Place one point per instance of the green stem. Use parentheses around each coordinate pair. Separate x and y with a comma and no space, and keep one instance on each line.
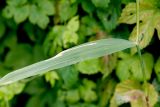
(7,103)
(137,19)
(138,40)
(142,64)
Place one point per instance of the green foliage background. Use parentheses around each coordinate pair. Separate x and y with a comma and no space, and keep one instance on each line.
(34,30)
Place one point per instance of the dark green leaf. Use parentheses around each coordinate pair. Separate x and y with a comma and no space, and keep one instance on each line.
(157,68)
(101,3)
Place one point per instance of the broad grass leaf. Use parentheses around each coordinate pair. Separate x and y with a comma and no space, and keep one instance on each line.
(149,17)
(68,57)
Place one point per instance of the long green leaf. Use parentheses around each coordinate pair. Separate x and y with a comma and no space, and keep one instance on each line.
(68,57)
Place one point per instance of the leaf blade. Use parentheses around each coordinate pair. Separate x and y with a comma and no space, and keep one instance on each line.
(68,57)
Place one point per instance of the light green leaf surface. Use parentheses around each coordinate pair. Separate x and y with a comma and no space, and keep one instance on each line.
(73,24)
(90,66)
(68,57)
(135,93)
(87,91)
(21,13)
(149,20)
(51,77)
(133,68)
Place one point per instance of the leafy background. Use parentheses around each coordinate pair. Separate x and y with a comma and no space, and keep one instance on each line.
(34,30)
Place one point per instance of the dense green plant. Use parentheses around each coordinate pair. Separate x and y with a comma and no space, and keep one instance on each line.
(32,31)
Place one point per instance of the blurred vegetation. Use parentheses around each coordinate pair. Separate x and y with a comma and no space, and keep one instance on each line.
(34,30)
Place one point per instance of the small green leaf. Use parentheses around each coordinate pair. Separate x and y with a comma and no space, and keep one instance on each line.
(8,11)
(88,26)
(133,68)
(73,24)
(42,21)
(101,4)
(68,57)
(34,15)
(69,37)
(38,17)
(46,7)
(19,57)
(109,17)
(72,96)
(21,13)
(51,77)
(69,75)
(66,10)
(89,67)
(88,6)
(8,95)
(87,91)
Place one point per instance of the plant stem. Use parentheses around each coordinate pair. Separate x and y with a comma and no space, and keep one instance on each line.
(137,19)
(7,103)
(142,64)
(138,41)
